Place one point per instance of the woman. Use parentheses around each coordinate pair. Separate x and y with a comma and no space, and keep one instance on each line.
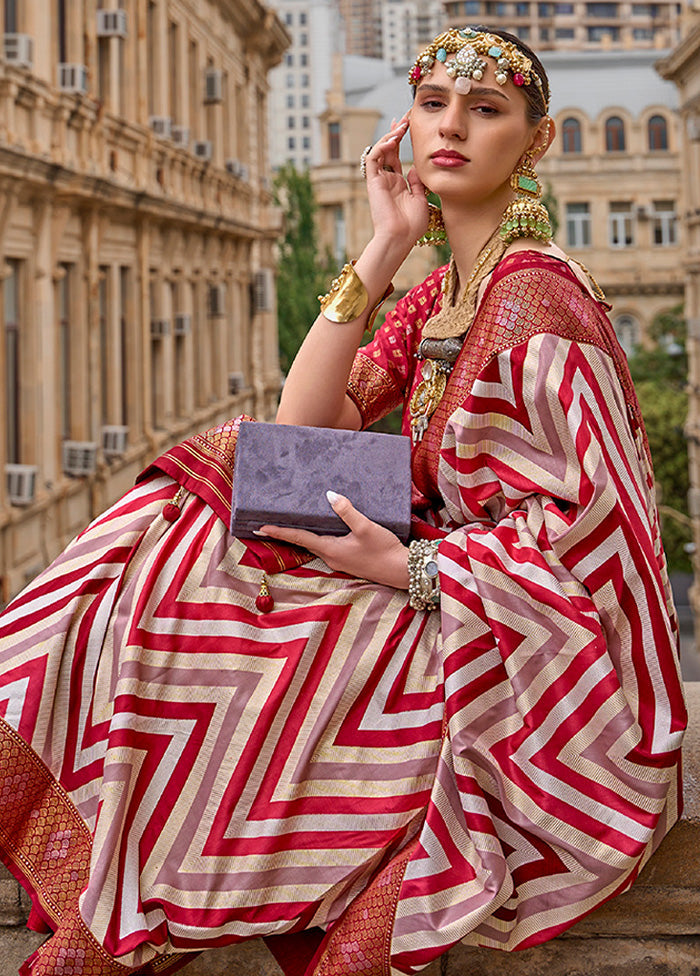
(184,770)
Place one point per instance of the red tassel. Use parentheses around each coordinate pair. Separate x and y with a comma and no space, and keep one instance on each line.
(171,513)
(264,601)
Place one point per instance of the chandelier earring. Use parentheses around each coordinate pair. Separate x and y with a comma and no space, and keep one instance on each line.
(526,216)
(435,233)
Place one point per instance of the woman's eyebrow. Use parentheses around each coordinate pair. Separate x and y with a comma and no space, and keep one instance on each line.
(479,92)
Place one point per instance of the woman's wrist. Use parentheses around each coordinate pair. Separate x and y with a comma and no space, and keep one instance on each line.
(378,263)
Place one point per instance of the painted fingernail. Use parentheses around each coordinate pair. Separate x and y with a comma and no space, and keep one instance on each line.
(332,497)
(259,532)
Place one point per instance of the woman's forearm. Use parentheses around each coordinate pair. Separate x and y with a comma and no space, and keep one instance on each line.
(314,391)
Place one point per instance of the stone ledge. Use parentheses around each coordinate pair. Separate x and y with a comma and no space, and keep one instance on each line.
(651,930)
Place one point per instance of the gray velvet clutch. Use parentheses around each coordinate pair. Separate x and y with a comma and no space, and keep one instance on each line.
(282,473)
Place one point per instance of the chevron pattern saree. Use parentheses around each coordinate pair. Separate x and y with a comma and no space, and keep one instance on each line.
(180,771)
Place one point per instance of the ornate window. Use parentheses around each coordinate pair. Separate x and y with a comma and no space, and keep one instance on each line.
(657,130)
(571,135)
(627,332)
(621,225)
(11,296)
(663,223)
(578,225)
(614,134)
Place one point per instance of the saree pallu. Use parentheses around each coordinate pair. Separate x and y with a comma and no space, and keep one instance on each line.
(180,771)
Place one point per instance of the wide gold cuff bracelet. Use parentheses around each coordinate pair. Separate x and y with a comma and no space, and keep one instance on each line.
(347,298)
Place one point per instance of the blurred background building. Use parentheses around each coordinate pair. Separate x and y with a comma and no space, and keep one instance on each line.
(581,25)
(137,230)
(682,67)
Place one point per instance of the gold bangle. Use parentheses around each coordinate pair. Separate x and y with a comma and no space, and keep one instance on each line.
(347,297)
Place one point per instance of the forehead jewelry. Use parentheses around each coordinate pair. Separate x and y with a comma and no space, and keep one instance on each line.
(470,47)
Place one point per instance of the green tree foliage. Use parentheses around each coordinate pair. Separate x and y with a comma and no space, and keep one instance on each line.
(303,272)
(660,374)
(552,207)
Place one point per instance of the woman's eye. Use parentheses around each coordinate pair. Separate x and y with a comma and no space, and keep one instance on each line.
(432,103)
(486,109)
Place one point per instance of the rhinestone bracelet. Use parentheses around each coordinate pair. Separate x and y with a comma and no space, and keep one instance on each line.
(423,579)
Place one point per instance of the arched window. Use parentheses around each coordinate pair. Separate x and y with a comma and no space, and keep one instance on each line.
(615,134)
(627,332)
(658,133)
(571,135)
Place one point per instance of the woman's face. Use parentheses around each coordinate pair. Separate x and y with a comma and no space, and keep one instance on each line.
(465,146)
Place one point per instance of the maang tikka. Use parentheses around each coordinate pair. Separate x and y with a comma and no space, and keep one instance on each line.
(526,216)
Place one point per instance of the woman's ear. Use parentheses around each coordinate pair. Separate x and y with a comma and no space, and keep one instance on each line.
(542,138)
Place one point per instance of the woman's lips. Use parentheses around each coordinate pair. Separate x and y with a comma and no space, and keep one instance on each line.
(448,158)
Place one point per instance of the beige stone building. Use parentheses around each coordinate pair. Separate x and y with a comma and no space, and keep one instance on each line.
(137,233)
(614,171)
(579,25)
(682,67)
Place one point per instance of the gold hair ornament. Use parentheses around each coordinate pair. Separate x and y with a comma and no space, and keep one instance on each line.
(470,47)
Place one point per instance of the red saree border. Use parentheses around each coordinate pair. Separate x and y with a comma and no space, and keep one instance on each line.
(47,847)
(360,941)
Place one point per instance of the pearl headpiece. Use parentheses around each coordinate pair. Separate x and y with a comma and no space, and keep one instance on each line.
(469,48)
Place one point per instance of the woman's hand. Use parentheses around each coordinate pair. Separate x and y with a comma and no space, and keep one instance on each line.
(368,552)
(398,205)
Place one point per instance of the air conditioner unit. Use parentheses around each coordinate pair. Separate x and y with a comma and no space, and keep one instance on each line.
(213,85)
(79,458)
(21,483)
(643,212)
(234,167)
(19,50)
(202,149)
(161,125)
(111,23)
(114,441)
(235,383)
(72,78)
(263,290)
(159,328)
(182,324)
(180,134)
(216,300)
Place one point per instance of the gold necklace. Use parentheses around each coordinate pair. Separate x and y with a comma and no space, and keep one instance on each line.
(436,370)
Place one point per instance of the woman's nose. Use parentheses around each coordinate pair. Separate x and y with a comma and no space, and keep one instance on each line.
(453,121)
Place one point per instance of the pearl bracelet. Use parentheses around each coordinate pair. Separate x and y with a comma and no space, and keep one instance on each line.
(423,579)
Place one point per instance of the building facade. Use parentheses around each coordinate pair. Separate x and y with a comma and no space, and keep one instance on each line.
(582,24)
(361,26)
(615,174)
(408,26)
(137,233)
(682,67)
(299,84)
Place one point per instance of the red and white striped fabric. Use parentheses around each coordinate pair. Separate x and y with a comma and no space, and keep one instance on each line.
(180,771)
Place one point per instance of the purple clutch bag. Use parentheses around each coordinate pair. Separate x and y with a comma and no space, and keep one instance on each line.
(282,473)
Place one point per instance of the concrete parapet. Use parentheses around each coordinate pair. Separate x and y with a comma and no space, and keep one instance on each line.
(651,930)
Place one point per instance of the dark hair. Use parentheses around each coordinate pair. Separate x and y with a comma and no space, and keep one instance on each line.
(537,98)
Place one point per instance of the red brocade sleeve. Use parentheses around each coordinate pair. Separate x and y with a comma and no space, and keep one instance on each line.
(380,376)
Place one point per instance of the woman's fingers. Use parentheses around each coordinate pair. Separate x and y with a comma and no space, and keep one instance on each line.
(345,510)
(385,152)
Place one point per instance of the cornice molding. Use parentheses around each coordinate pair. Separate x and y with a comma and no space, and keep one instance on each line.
(685,55)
